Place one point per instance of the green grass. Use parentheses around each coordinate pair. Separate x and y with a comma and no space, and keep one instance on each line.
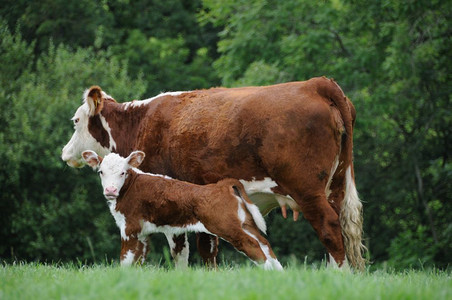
(38,281)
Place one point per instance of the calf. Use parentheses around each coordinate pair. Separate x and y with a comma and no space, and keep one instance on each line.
(144,203)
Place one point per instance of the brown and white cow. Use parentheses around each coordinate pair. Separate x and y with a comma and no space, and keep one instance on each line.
(289,144)
(144,203)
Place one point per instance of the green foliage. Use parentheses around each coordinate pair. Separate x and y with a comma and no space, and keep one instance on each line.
(74,22)
(164,63)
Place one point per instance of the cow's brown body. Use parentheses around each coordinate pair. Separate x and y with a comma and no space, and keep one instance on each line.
(297,134)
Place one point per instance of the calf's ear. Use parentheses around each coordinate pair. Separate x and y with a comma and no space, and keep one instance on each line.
(136,158)
(92,159)
(94,98)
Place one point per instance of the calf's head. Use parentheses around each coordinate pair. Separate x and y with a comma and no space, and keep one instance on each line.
(112,169)
(87,119)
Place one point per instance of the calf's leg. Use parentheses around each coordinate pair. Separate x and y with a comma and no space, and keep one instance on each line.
(179,249)
(208,248)
(133,250)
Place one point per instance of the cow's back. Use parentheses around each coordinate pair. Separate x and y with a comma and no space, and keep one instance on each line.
(212,134)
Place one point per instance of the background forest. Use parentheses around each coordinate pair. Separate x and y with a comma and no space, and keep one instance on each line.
(392,58)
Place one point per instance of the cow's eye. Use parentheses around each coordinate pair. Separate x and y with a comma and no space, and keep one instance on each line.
(76,120)
(99,172)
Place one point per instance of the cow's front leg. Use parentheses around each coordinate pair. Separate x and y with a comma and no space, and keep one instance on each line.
(179,249)
(208,249)
(134,250)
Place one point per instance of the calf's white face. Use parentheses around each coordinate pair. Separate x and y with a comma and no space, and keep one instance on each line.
(112,169)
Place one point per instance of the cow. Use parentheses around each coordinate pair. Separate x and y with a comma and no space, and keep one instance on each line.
(289,144)
(145,203)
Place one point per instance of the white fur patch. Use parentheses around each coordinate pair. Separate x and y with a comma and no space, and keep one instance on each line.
(255,213)
(330,178)
(151,174)
(81,139)
(120,219)
(213,244)
(108,129)
(138,103)
(180,258)
(240,212)
(148,228)
(271,263)
(127,260)
(259,186)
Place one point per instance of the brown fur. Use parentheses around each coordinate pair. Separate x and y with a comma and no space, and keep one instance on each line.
(162,201)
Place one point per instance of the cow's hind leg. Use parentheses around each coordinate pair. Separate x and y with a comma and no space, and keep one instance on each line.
(208,248)
(325,221)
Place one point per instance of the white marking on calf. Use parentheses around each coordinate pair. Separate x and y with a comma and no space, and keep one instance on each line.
(148,228)
(256,214)
(120,219)
(128,259)
(181,258)
(270,263)
(144,241)
(213,244)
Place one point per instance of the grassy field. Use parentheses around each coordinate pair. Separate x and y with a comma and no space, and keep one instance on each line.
(37,281)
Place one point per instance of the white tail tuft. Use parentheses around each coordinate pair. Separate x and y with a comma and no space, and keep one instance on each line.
(351,220)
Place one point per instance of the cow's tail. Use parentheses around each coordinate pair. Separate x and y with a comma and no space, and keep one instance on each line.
(351,219)
(351,210)
(250,206)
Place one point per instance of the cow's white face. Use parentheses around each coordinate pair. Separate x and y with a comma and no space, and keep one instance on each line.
(113,169)
(82,138)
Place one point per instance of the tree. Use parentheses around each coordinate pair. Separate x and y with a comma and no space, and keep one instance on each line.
(52,212)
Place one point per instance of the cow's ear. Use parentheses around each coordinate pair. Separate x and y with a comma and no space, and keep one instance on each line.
(92,159)
(136,158)
(95,100)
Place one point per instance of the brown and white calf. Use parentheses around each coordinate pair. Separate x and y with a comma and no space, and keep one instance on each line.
(144,203)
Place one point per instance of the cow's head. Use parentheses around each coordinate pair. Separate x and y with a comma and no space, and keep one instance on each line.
(84,119)
(112,169)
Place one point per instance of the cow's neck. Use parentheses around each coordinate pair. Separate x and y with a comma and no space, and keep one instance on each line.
(123,126)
